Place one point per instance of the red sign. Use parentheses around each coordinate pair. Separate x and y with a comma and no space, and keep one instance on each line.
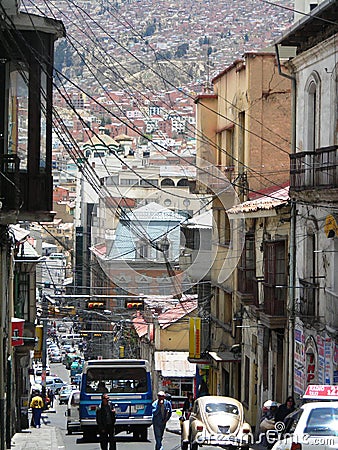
(311,367)
(321,392)
(17,331)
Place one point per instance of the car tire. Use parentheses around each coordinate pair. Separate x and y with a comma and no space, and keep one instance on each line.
(193,446)
(69,431)
(184,445)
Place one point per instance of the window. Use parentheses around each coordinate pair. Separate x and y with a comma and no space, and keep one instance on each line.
(128,182)
(167,182)
(336,110)
(246,380)
(308,291)
(18,115)
(163,245)
(149,183)
(322,422)
(230,146)
(223,226)
(247,265)
(312,102)
(275,277)
(241,141)
(335,266)
(142,249)
(221,408)
(109,379)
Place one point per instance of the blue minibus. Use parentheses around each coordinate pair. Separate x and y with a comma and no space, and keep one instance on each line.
(128,383)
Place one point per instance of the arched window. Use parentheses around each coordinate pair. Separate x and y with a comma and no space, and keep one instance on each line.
(167,182)
(183,182)
(312,102)
(336,106)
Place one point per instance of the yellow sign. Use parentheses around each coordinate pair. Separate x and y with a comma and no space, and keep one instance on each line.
(38,344)
(195,337)
(331,227)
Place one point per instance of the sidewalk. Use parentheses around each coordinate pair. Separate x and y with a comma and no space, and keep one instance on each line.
(46,437)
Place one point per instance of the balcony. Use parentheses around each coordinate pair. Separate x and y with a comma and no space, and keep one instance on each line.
(331,318)
(273,314)
(214,179)
(308,300)
(314,170)
(247,286)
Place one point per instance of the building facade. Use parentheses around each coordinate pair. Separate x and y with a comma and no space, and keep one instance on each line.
(314,195)
(243,148)
(26,73)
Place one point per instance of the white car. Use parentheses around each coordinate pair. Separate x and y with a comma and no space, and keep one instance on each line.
(313,425)
(55,358)
(72,413)
(53,383)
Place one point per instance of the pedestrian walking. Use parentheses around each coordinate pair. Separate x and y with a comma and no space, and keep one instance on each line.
(37,406)
(161,413)
(51,397)
(187,406)
(105,419)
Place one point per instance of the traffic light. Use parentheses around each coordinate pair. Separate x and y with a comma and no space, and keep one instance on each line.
(95,305)
(134,304)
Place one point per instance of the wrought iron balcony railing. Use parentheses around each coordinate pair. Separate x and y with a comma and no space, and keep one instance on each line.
(314,170)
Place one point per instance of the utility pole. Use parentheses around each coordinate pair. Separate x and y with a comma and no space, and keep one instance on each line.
(44,345)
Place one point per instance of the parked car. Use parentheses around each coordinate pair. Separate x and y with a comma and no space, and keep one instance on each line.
(77,379)
(313,425)
(72,413)
(54,383)
(38,371)
(55,358)
(64,393)
(217,421)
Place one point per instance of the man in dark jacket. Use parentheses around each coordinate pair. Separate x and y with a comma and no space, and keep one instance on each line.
(105,419)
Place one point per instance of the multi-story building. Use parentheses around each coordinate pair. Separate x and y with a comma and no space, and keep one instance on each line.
(26,53)
(261,325)
(314,194)
(243,144)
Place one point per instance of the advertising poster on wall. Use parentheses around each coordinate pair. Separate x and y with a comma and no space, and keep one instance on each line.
(321,359)
(299,358)
(328,360)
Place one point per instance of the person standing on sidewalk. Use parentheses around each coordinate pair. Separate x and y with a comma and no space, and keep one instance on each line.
(105,419)
(161,413)
(37,406)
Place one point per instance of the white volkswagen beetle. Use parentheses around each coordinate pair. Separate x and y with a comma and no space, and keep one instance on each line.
(218,421)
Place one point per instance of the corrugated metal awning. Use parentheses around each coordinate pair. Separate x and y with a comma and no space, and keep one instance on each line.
(174,364)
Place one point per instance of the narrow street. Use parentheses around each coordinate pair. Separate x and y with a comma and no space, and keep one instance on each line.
(75,441)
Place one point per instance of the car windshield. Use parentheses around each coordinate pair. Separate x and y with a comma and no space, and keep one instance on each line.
(322,422)
(221,407)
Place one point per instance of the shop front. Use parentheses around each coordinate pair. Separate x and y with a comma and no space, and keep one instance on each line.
(176,375)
